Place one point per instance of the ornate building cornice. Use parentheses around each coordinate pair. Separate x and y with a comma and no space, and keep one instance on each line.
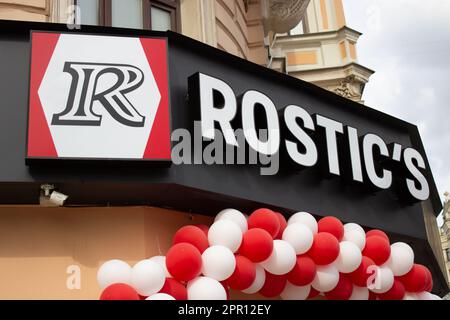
(346,88)
(280,16)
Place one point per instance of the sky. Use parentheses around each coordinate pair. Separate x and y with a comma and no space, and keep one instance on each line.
(407,44)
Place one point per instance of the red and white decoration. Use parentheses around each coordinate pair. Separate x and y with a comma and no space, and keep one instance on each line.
(295,260)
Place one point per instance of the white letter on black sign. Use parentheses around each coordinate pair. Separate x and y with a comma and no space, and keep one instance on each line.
(355,158)
(210,113)
(371,140)
(331,129)
(249,101)
(309,158)
(424,192)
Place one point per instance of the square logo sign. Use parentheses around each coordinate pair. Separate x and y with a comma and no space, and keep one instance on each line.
(98,97)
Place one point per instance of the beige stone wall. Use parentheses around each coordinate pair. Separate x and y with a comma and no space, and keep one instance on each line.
(445,235)
(227,25)
(27,10)
(239,32)
(433,235)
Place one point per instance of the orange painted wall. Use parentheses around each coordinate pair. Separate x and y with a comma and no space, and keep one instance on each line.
(38,244)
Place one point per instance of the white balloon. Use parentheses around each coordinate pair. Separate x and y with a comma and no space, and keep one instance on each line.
(160,296)
(282,260)
(259,280)
(410,296)
(225,233)
(161,261)
(147,277)
(299,237)
(382,281)
(204,288)
(327,278)
(359,293)
(233,215)
(355,233)
(218,263)
(292,292)
(349,257)
(435,297)
(423,295)
(305,218)
(401,259)
(113,271)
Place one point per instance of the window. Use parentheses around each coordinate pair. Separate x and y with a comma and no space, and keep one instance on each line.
(448,254)
(127,14)
(159,15)
(160,18)
(89,12)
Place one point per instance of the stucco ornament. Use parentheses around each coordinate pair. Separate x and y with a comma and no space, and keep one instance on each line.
(348,88)
(280,16)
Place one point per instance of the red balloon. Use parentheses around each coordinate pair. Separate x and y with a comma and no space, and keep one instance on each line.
(416,280)
(373,295)
(331,225)
(174,288)
(283,225)
(184,261)
(273,286)
(361,274)
(378,249)
(265,219)
(376,232)
(193,235)
(397,292)
(257,245)
(429,286)
(313,293)
(142,297)
(342,291)
(244,274)
(119,291)
(203,227)
(325,248)
(303,272)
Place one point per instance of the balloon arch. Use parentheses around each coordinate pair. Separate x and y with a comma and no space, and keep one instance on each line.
(263,253)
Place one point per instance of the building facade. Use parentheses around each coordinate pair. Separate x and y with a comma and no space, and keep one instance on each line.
(306,39)
(54,253)
(445,234)
(322,50)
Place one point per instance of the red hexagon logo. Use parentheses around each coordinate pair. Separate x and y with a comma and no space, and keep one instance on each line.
(98,97)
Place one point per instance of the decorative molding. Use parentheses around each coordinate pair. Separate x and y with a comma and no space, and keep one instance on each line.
(246,3)
(280,16)
(346,88)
